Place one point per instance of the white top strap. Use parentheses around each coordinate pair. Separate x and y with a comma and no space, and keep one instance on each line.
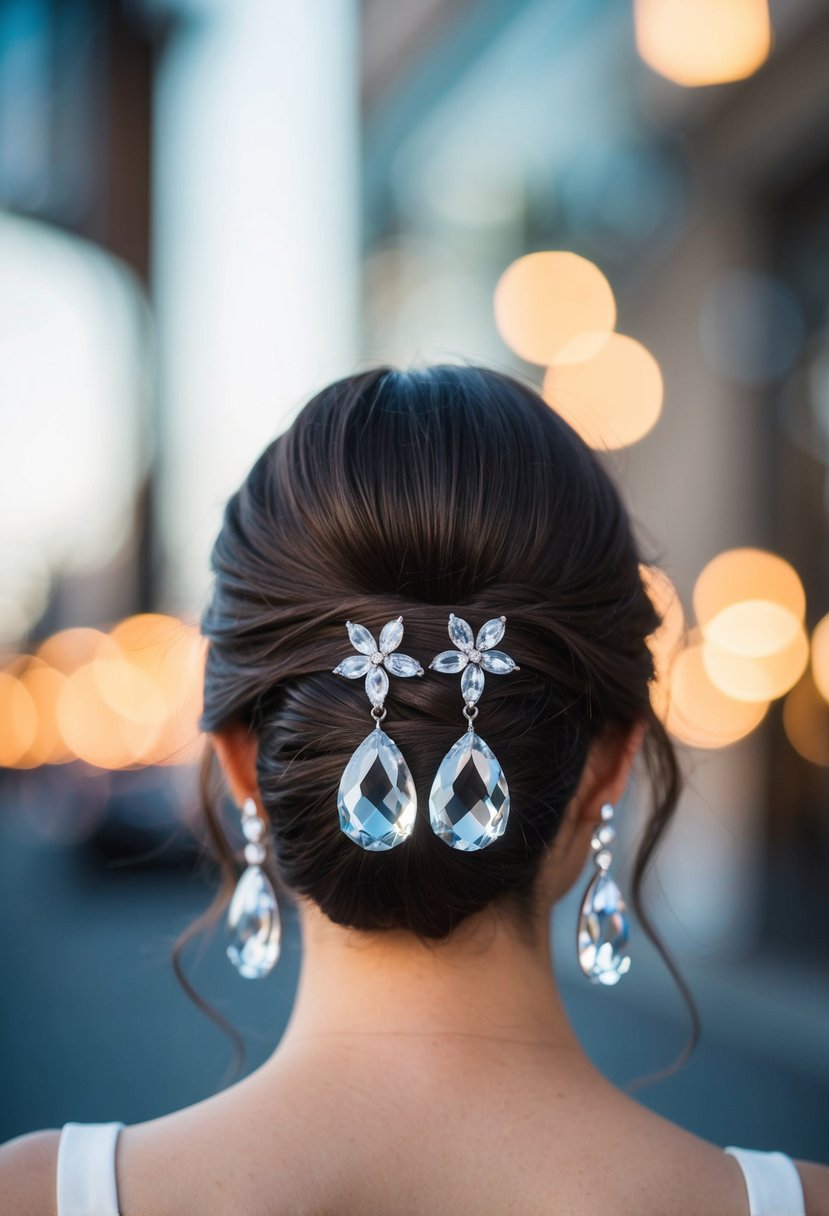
(86,1169)
(772,1181)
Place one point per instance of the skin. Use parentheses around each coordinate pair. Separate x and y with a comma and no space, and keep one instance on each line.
(440,1078)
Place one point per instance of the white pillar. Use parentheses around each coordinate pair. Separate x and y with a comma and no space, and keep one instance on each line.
(256,247)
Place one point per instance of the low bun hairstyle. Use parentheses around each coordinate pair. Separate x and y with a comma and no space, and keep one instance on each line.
(418,493)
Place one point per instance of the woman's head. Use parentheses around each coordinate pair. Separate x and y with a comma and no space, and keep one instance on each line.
(450,488)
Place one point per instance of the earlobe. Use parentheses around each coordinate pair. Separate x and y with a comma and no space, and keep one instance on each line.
(236,748)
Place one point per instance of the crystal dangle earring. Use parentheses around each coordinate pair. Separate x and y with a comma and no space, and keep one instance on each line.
(603,928)
(253,920)
(376,799)
(469,800)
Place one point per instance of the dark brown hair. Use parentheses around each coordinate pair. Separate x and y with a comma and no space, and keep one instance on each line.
(416,493)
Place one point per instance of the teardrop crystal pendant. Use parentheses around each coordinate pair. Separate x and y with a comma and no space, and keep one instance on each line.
(254,925)
(603,931)
(469,799)
(376,798)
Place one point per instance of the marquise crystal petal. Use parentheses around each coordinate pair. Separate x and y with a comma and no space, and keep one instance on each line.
(603,931)
(402,665)
(391,635)
(469,800)
(449,661)
(254,925)
(376,798)
(354,666)
(377,685)
(361,639)
(472,683)
(497,662)
(490,634)
(459,631)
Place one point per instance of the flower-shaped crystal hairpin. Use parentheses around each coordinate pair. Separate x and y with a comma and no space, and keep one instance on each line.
(474,658)
(372,659)
(469,800)
(376,798)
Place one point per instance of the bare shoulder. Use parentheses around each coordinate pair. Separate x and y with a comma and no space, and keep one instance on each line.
(27,1173)
(815,1180)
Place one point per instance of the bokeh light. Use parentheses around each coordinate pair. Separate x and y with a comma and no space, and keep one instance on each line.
(130,698)
(613,395)
(820,656)
(18,719)
(758,677)
(749,601)
(545,300)
(45,685)
(806,721)
(166,656)
(701,42)
(94,730)
(69,649)
(699,713)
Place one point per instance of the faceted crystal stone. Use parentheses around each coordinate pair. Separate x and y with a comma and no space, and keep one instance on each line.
(402,665)
(472,683)
(449,661)
(376,798)
(253,828)
(497,662)
(254,925)
(377,686)
(391,635)
(460,632)
(361,639)
(603,932)
(353,667)
(254,853)
(469,800)
(490,634)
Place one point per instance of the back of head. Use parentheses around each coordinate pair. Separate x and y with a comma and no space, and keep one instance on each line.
(417,493)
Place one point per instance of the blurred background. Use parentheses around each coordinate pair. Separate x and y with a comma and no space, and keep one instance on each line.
(211,208)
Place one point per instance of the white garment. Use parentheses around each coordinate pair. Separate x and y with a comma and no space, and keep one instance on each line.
(772,1181)
(87,1184)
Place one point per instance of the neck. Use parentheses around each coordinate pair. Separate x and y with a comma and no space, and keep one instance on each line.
(484,982)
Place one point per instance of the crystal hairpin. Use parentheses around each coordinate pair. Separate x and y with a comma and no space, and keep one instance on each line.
(469,800)
(376,797)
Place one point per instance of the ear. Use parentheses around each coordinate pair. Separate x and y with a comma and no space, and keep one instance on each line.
(607,770)
(236,748)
